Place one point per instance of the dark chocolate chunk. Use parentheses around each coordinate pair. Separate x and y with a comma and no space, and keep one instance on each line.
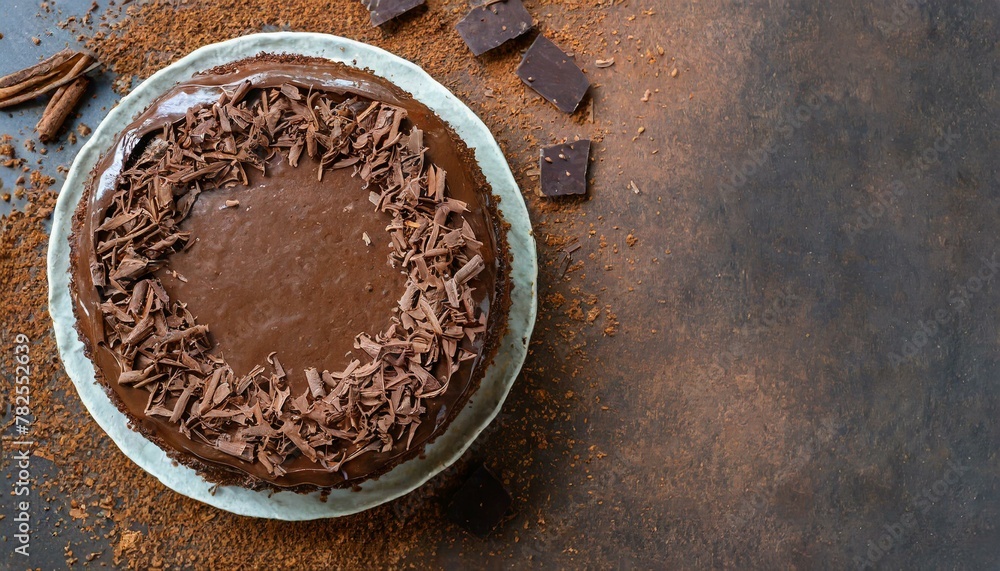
(549,71)
(384,10)
(489,26)
(480,504)
(564,168)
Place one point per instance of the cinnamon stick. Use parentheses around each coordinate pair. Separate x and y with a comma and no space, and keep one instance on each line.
(59,108)
(64,100)
(43,77)
(18,80)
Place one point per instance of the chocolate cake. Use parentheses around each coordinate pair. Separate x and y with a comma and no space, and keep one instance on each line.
(289,273)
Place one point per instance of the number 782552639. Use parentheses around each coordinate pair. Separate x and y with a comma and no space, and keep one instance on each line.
(22,383)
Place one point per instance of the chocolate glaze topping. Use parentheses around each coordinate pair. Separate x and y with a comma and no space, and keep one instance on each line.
(290,274)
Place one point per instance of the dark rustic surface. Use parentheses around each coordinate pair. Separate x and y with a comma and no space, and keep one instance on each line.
(802,372)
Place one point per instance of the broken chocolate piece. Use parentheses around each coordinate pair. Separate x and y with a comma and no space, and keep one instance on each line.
(564,168)
(480,504)
(550,72)
(488,26)
(384,10)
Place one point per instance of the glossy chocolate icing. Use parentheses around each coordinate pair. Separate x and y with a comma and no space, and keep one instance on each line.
(288,269)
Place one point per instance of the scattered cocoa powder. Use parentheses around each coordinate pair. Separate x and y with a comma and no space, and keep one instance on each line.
(6,149)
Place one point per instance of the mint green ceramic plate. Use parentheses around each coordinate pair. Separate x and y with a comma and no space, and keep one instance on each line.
(499,378)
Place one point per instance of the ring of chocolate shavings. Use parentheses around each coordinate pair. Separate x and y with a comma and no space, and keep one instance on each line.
(368,405)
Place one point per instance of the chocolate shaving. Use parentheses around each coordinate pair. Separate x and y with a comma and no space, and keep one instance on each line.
(470,270)
(371,405)
(315,383)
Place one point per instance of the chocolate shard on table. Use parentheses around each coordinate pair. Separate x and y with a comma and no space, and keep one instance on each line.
(490,25)
(564,168)
(384,10)
(480,504)
(549,71)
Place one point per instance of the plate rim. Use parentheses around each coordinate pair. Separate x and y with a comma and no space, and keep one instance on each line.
(478,413)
